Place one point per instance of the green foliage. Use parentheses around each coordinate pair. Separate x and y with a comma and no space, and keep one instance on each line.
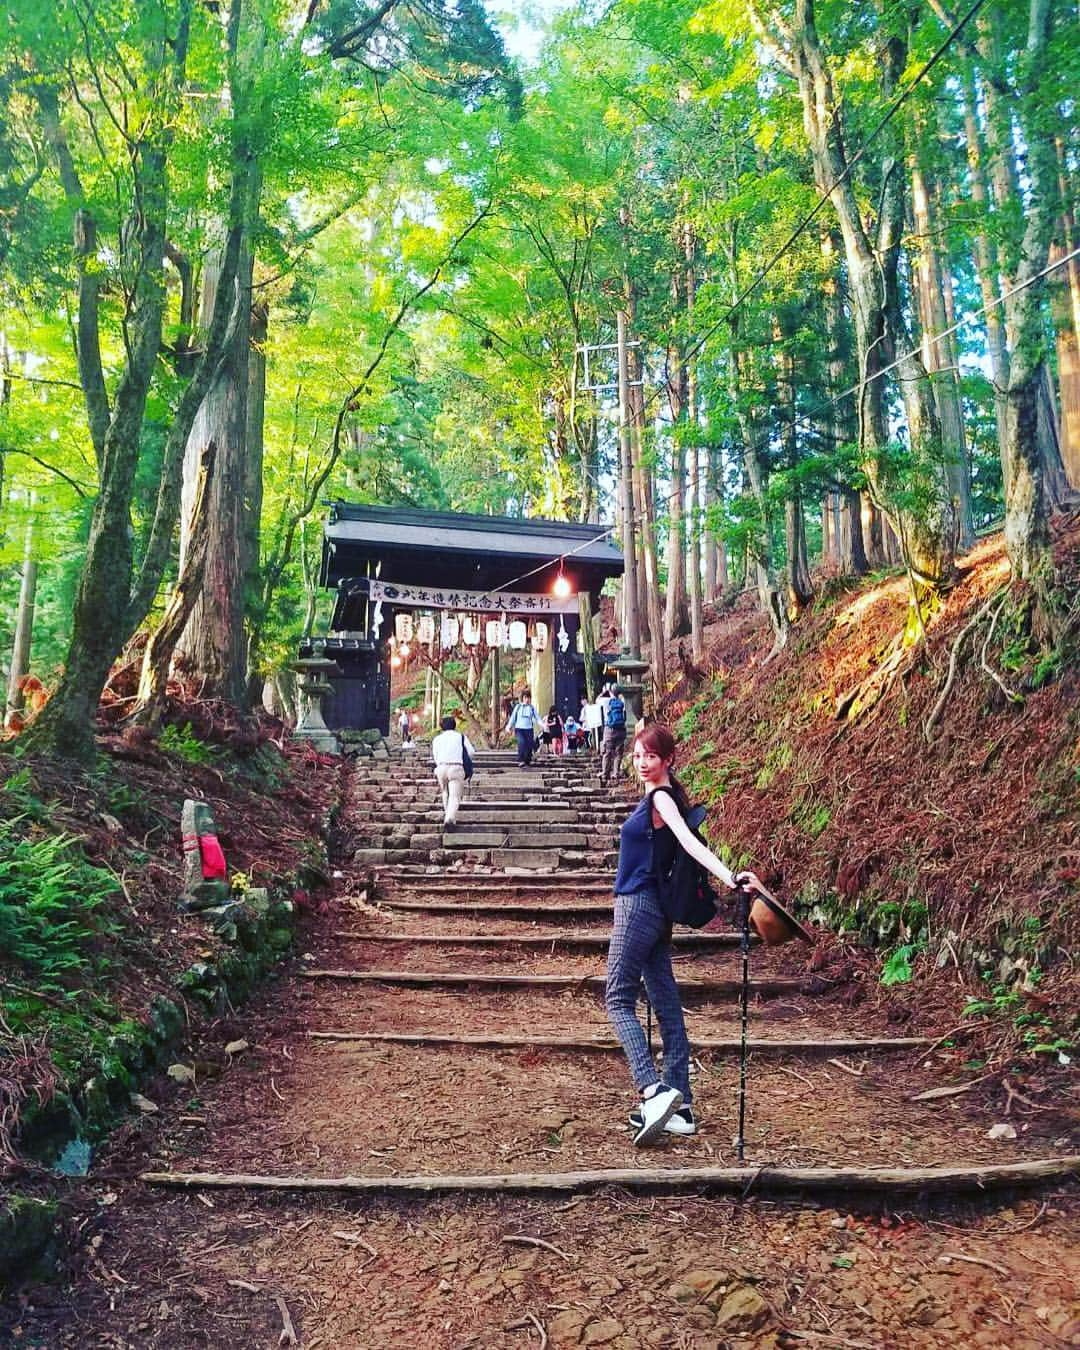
(777,759)
(810,817)
(54,917)
(897,966)
(184,744)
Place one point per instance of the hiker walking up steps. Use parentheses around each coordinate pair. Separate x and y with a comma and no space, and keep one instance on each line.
(641,939)
(525,722)
(611,751)
(452,753)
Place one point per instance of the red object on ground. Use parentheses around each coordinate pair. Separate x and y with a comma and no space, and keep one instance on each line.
(213,859)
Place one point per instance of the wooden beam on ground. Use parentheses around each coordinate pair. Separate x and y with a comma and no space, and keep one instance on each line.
(512,980)
(745,1179)
(561,939)
(708,1044)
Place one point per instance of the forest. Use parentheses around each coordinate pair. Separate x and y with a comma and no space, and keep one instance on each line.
(773,304)
(258,255)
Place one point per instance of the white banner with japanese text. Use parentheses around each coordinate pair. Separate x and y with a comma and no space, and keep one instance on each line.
(489,602)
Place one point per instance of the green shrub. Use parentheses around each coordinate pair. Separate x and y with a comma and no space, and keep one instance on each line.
(52,919)
(184,744)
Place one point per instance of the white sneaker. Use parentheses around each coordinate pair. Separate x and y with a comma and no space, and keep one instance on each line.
(658,1104)
(682,1122)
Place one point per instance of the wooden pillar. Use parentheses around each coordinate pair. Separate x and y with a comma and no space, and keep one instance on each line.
(542,675)
(588,642)
(496,701)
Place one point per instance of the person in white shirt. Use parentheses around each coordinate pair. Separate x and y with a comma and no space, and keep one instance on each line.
(448,750)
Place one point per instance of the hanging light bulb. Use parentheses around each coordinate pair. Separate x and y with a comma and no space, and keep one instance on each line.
(561,589)
(404,651)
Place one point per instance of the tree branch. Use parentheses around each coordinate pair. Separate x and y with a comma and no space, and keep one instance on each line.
(88,345)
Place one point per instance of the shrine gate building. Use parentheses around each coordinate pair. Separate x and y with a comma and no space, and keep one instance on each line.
(455,575)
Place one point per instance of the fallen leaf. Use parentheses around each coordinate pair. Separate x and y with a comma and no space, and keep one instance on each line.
(181,1073)
(237,1047)
(143,1104)
(1003,1130)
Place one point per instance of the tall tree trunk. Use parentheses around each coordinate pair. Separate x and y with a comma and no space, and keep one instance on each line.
(986,266)
(759,550)
(157,658)
(676,613)
(650,573)
(1068,359)
(213,645)
(214,642)
(849,532)
(927,533)
(693,558)
(24,620)
(937,351)
(800,590)
(112,600)
(1027,536)
(253,488)
(715,555)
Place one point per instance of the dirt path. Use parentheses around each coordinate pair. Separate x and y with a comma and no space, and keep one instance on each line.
(161,1268)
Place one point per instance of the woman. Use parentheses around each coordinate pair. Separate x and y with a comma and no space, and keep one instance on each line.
(641,942)
(552,735)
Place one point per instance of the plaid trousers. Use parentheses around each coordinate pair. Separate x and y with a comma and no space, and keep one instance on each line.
(641,947)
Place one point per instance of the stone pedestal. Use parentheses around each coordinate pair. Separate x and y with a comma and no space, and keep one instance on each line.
(312,672)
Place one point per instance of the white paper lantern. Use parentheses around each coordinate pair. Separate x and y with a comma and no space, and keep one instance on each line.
(495,633)
(425,630)
(540,637)
(519,635)
(470,630)
(403,627)
(449,631)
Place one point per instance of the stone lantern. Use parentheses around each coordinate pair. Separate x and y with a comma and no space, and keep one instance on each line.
(314,685)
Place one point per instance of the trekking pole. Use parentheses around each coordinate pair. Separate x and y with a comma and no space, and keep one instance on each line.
(742,910)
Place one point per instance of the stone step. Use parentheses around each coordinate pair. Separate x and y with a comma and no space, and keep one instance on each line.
(406,878)
(537,825)
(519,839)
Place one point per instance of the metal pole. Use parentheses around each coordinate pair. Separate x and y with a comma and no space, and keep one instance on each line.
(742,901)
(630,595)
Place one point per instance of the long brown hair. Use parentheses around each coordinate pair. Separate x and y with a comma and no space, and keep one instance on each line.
(660,740)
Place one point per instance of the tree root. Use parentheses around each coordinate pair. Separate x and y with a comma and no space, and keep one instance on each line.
(954,659)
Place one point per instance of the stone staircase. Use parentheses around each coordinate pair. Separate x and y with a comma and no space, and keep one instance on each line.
(551,816)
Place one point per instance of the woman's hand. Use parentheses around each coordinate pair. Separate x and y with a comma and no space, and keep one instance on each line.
(750,881)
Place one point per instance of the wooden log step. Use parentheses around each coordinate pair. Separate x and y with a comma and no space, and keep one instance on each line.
(559,939)
(745,1179)
(512,980)
(605,1044)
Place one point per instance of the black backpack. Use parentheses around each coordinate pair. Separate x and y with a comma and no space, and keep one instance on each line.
(684,887)
(466,759)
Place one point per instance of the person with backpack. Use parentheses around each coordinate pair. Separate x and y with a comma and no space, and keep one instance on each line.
(525,722)
(611,751)
(640,945)
(452,754)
